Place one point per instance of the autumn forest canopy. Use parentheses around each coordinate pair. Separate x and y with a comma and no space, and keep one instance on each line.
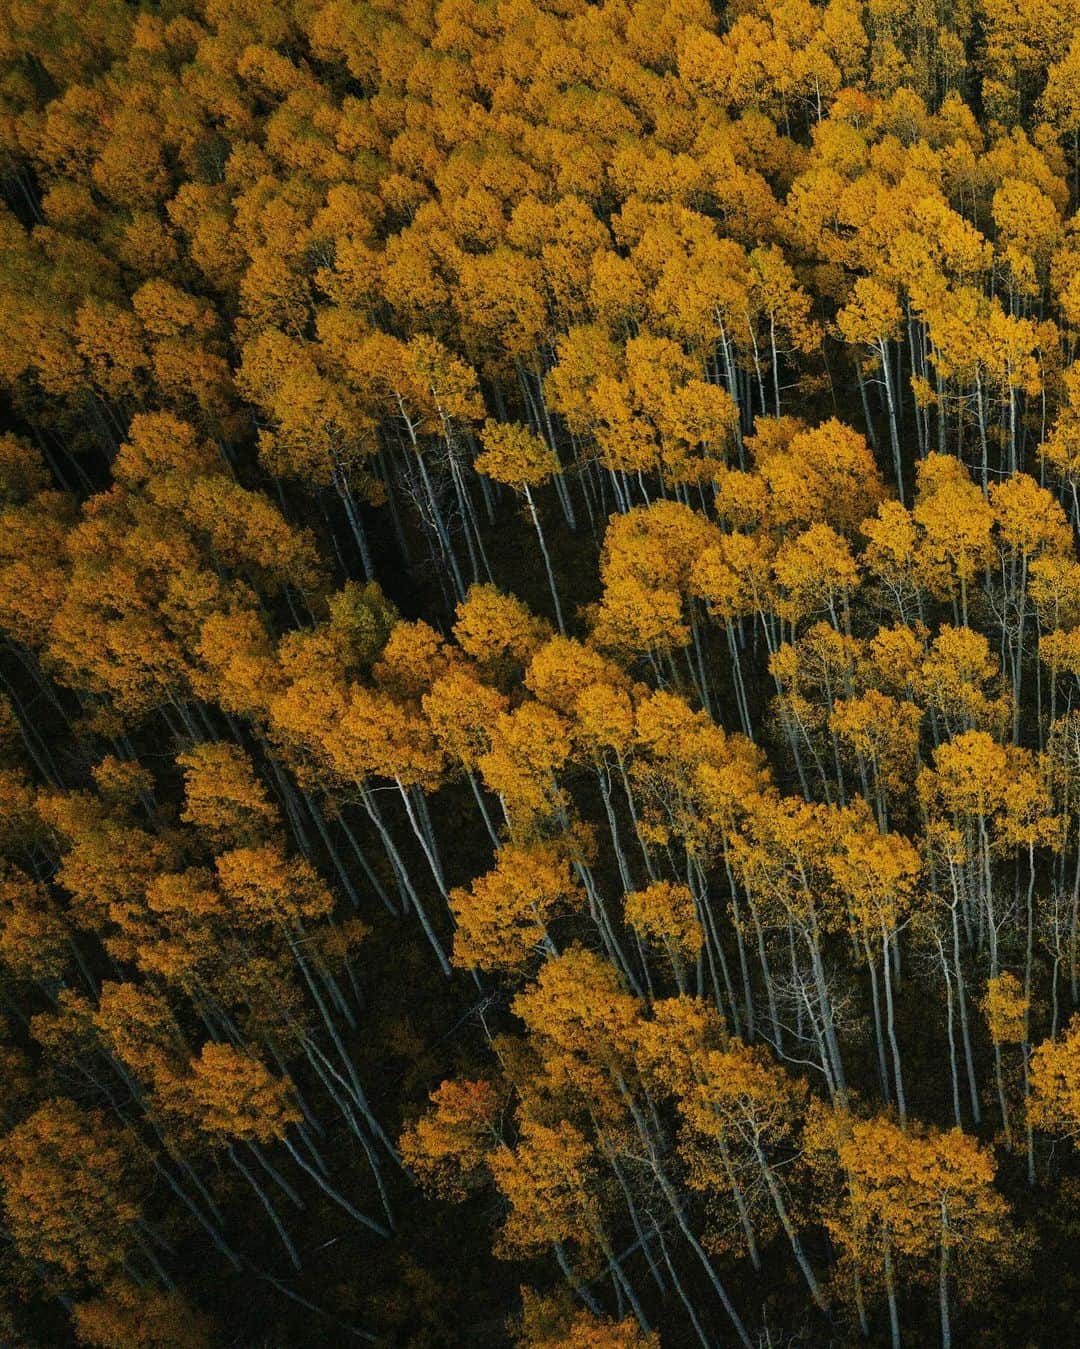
(539,673)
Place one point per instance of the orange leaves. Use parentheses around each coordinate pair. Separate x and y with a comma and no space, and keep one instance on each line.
(356,255)
(413,657)
(892,553)
(20,822)
(236,651)
(69,1181)
(735,576)
(448,1146)
(740,1092)
(528,746)
(222,795)
(317,430)
(877,875)
(33,936)
(671,1042)
(234,1097)
(914,1191)
(569,241)
(33,567)
(106,866)
(779,57)
(970,772)
(696,781)
(941,544)
(548,1323)
(266,887)
(22,471)
(122,782)
(955,520)
(184,356)
(1029,520)
(1006,1009)
(545,1181)
(1029,226)
(502,919)
(128,1316)
(1054,1105)
(378,736)
(139,1028)
(959,679)
(646,563)
(578,1009)
(871,317)
(563,672)
(497,630)
(884,731)
(515,455)
(646,405)
(250,534)
(816,573)
(666,915)
(783,855)
(112,343)
(634,618)
(656,544)
(149,567)
(1054,587)
(782,301)
(617,297)
(353,731)
(824,473)
(462,710)
(1061,448)
(499,300)
(585,356)
(421,382)
(605,718)
(698,423)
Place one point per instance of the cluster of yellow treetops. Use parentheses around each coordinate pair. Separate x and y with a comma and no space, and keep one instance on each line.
(540,710)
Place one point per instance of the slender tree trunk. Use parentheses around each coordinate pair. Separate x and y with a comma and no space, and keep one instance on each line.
(675,1204)
(789,1228)
(943,1281)
(267,1204)
(706,1342)
(335,1195)
(894,435)
(547,561)
(879,1035)
(901,1104)
(403,878)
(574,1282)
(890,1289)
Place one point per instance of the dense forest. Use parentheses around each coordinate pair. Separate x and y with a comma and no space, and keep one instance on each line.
(540,673)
